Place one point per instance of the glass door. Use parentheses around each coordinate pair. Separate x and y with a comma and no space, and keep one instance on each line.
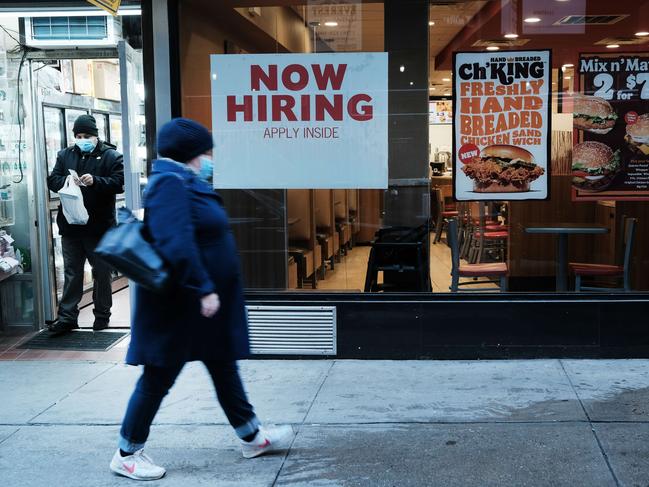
(119,122)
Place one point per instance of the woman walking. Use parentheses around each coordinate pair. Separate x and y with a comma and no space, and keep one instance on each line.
(203,317)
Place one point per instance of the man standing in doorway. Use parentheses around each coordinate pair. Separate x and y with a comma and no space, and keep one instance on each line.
(101,171)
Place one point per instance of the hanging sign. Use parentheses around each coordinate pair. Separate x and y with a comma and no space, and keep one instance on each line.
(610,158)
(501,125)
(300,120)
(110,6)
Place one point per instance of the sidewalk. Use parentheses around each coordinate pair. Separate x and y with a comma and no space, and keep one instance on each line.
(360,423)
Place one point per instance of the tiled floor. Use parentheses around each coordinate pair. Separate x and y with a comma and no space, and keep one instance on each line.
(119,320)
(121,312)
(349,275)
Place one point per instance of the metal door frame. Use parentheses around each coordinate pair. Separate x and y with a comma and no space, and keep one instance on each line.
(42,259)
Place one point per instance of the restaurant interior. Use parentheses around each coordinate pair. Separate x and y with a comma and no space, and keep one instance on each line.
(338,239)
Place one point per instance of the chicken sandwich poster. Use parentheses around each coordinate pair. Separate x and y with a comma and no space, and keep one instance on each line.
(501,125)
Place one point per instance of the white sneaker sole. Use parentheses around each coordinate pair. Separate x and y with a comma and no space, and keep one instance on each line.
(126,473)
(282,444)
(255,454)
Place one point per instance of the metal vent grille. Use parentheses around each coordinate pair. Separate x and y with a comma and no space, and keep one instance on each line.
(590,19)
(292,330)
(501,43)
(69,28)
(626,41)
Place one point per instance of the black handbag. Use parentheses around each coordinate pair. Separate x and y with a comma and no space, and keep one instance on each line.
(126,248)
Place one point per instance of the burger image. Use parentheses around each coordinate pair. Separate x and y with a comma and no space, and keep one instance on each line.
(503,169)
(593,114)
(637,135)
(594,166)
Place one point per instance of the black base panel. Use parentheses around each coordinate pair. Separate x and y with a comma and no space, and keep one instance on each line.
(74,340)
(482,326)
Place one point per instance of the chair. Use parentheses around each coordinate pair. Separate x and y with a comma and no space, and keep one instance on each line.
(401,254)
(442,214)
(325,228)
(302,245)
(497,270)
(581,270)
(292,273)
(341,215)
(488,235)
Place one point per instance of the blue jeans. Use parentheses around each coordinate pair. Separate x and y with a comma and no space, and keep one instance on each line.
(153,386)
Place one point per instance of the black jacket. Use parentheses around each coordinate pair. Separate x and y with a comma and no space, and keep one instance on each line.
(106,166)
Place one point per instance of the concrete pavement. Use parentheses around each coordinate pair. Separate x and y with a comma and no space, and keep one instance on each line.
(359,423)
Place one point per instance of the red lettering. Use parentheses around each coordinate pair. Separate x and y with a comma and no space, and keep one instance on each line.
(322,105)
(283,104)
(366,111)
(303,77)
(322,79)
(306,108)
(245,107)
(262,111)
(258,74)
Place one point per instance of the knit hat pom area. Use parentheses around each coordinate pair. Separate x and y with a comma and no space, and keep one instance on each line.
(182,139)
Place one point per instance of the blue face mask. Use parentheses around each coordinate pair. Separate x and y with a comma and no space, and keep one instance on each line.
(206,172)
(86,145)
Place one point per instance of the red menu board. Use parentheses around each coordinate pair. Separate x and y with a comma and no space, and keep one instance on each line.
(610,158)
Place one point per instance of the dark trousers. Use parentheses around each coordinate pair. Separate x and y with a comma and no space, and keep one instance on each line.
(75,253)
(153,386)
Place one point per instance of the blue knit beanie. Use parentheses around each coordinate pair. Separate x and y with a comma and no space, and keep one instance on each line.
(182,139)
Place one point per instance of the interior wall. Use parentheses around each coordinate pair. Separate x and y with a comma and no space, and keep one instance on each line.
(283,24)
(199,37)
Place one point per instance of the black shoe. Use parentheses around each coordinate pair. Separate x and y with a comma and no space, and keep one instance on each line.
(100,325)
(57,327)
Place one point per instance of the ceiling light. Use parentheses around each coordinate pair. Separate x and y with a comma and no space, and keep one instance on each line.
(402,68)
(493,48)
(431,23)
(612,46)
(532,20)
(642,33)
(331,23)
(511,36)
(446,79)
(411,83)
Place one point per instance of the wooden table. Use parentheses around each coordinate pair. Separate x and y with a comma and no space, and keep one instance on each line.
(563,230)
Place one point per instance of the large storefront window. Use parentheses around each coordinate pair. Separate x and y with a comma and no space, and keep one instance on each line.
(519,164)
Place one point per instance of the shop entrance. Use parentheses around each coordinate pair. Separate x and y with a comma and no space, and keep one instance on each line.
(106,83)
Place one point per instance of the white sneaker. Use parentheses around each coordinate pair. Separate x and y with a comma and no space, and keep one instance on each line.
(268,439)
(138,466)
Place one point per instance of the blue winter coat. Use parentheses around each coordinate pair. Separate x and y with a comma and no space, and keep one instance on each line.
(189,228)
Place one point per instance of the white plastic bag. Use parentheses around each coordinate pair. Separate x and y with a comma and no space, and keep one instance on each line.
(72,201)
